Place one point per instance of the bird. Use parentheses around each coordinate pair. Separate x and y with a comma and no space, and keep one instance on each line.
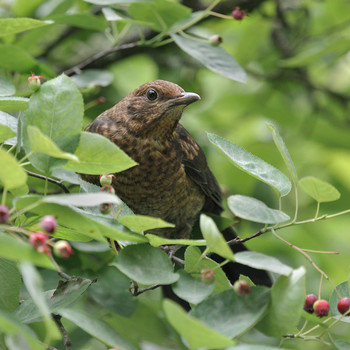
(172,179)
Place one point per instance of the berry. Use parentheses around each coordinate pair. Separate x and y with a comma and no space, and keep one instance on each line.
(321,308)
(48,224)
(44,249)
(105,208)
(106,179)
(238,14)
(34,81)
(38,239)
(63,249)
(207,275)
(241,288)
(4,213)
(108,189)
(310,299)
(215,40)
(344,305)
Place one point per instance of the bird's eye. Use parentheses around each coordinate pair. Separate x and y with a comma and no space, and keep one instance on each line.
(152,94)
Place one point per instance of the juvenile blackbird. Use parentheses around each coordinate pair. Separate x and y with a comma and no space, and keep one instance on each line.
(172,180)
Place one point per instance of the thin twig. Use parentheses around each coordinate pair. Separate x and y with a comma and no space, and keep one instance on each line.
(238,240)
(65,337)
(137,291)
(49,179)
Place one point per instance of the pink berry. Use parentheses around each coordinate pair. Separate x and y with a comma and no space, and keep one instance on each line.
(108,189)
(310,299)
(106,179)
(207,275)
(48,224)
(344,305)
(38,239)
(4,213)
(241,288)
(44,249)
(321,308)
(238,14)
(63,249)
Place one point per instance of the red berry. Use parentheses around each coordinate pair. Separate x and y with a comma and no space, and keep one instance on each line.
(207,275)
(241,288)
(106,179)
(44,249)
(344,305)
(34,81)
(321,308)
(63,249)
(310,299)
(48,224)
(38,239)
(238,14)
(4,213)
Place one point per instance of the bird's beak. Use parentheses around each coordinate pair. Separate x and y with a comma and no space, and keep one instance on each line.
(186,98)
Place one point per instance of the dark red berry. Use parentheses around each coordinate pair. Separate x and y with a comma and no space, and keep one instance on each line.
(344,305)
(241,288)
(63,249)
(4,213)
(309,303)
(48,224)
(321,308)
(238,14)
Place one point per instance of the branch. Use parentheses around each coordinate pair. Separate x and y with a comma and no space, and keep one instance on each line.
(238,240)
(65,337)
(42,177)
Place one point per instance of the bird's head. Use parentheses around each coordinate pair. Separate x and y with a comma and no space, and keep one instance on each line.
(155,108)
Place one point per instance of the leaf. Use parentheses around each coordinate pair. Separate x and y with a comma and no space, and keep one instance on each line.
(343,289)
(10,166)
(6,87)
(112,2)
(6,133)
(111,15)
(215,241)
(14,58)
(286,305)
(89,77)
(283,151)
(13,103)
(140,223)
(92,153)
(157,241)
(80,20)
(159,15)
(10,26)
(252,209)
(56,109)
(43,144)
(231,314)
(253,165)
(262,262)
(319,190)
(97,328)
(146,265)
(191,289)
(10,281)
(213,57)
(66,294)
(8,120)
(196,333)
(16,250)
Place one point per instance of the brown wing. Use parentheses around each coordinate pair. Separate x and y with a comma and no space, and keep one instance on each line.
(197,169)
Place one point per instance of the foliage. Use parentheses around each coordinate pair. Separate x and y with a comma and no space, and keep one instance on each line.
(294,59)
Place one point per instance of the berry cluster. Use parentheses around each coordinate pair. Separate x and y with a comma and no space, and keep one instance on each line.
(321,307)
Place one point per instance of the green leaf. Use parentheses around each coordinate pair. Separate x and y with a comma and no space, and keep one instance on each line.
(140,223)
(112,2)
(343,289)
(253,165)
(14,58)
(42,144)
(8,120)
(341,344)
(196,333)
(81,20)
(263,262)
(252,209)
(25,8)
(16,250)
(12,174)
(92,153)
(157,241)
(159,15)
(213,57)
(56,109)
(6,87)
(10,281)
(89,77)
(253,347)
(319,190)
(10,26)
(231,314)
(191,289)
(146,265)
(215,241)
(66,294)
(283,151)
(111,15)
(97,328)
(6,133)
(13,103)
(286,305)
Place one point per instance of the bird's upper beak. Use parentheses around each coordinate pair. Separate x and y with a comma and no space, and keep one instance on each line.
(185,98)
